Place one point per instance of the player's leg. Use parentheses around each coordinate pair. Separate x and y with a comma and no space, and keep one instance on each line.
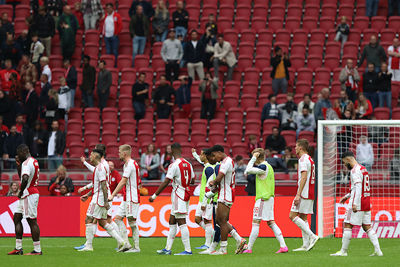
(278,235)
(35,231)
(122,246)
(222,220)
(199,220)
(135,233)
(185,236)
(19,231)
(304,207)
(366,224)
(305,237)
(347,232)
(209,232)
(253,236)
(122,228)
(217,232)
(112,223)
(173,229)
(90,231)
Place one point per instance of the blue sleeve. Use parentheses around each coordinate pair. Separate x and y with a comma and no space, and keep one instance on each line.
(262,167)
(217,169)
(209,171)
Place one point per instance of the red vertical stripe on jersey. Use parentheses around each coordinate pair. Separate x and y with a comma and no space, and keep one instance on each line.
(365,191)
(186,175)
(138,181)
(32,189)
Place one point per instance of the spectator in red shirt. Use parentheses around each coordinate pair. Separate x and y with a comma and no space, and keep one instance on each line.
(5,76)
(20,123)
(363,108)
(78,14)
(253,144)
(63,191)
(3,128)
(115,177)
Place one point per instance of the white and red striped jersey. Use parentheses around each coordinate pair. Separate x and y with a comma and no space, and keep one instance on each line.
(359,174)
(306,164)
(227,185)
(99,175)
(180,172)
(30,167)
(131,173)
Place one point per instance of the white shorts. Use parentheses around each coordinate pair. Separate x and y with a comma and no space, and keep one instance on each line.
(226,195)
(179,207)
(131,209)
(205,214)
(28,206)
(97,212)
(357,218)
(306,206)
(121,209)
(264,210)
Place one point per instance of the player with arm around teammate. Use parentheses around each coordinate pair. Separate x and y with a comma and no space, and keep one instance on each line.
(359,210)
(181,173)
(264,206)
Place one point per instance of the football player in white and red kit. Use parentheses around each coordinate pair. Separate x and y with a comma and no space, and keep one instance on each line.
(28,202)
(130,206)
(226,195)
(181,173)
(359,210)
(303,203)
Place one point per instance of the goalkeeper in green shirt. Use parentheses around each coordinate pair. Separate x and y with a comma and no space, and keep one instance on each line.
(264,206)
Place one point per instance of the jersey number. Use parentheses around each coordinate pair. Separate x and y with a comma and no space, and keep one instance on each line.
(366,183)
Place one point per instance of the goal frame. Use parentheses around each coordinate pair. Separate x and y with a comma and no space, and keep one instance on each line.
(320,157)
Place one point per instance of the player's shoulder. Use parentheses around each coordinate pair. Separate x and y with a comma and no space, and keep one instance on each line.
(27,162)
(262,166)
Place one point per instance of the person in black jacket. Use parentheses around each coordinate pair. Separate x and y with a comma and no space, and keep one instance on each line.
(163,98)
(88,82)
(385,87)
(183,96)
(147,8)
(180,18)
(270,109)
(275,142)
(30,102)
(194,55)
(62,179)
(6,24)
(43,24)
(342,31)
(7,110)
(44,94)
(13,140)
(35,139)
(71,78)
(280,72)
(68,25)
(24,42)
(370,84)
(55,146)
(104,82)
(140,94)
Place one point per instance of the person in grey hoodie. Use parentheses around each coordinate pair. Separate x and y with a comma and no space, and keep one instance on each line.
(305,121)
(373,53)
(172,53)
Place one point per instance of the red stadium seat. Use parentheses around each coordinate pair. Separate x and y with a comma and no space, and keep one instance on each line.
(269,124)
(317,35)
(265,35)
(241,23)
(290,136)
(282,35)
(314,61)
(239,148)
(310,23)
(378,23)
(275,23)
(308,135)
(253,113)
(295,10)
(382,113)
(250,87)
(226,10)
(394,23)
(224,23)
(198,137)
(216,137)
(251,74)
(243,10)
(260,11)
(300,35)
(304,74)
(387,35)
(124,61)
(332,48)
(278,10)
(350,48)
(312,10)
(303,87)
(346,10)
(292,23)
(247,101)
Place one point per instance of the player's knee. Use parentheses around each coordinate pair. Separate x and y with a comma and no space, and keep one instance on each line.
(197,219)
(366,227)
(292,216)
(17,218)
(270,223)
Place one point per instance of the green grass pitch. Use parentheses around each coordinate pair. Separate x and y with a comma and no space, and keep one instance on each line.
(60,252)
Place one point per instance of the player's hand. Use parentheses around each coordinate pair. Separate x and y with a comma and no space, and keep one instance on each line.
(83,159)
(110,198)
(343,200)
(80,190)
(211,184)
(256,154)
(151,199)
(107,206)
(84,198)
(354,208)
(193,150)
(203,208)
(297,200)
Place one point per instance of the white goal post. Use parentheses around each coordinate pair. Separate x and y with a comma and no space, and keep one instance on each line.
(382,138)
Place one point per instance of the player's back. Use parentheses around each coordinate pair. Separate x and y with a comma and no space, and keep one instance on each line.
(359,174)
(131,173)
(306,163)
(181,173)
(30,167)
(99,175)
(227,167)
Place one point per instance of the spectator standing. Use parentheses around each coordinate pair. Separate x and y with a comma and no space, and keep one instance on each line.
(27,70)
(64,100)
(342,32)
(44,94)
(166,160)
(365,153)
(289,116)
(51,108)
(305,121)
(275,142)
(208,88)
(385,87)
(44,26)
(371,8)
(54,7)
(104,82)
(11,50)
(280,73)
(223,55)
(181,19)
(212,25)
(240,167)
(30,102)
(183,96)
(44,64)
(193,55)
(139,30)
(24,42)
(92,11)
(349,79)
(61,178)
(373,53)
(111,27)
(146,5)
(322,105)
(35,140)
(71,78)
(79,15)
(67,27)
(13,140)
(149,163)
(363,108)
(37,50)
(172,54)
(370,85)
(6,23)
(393,5)
(209,40)
(5,75)
(394,59)
(7,110)
(161,21)
(163,98)
(55,146)
(88,81)
(253,144)
(344,102)
(13,190)
(306,101)
(140,94)
(270,109)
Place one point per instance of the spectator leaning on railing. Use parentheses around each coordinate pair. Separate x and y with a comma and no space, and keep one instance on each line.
(60,179)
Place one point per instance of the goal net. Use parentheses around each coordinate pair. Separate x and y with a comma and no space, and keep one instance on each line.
(376,145)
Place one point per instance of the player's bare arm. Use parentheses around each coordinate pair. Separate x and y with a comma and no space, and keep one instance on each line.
(301,187)
(103,185)
(217,181)
(160,189)
(24,183)
(357,196)
(119,187)
(86,196)
(345,198)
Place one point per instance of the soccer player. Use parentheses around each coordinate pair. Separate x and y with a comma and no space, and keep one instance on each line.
(303,203)
(264,206)
(99,205)
(131,182)
(181,173)
(359,210)
(226,182)
(203,216)
(28,200)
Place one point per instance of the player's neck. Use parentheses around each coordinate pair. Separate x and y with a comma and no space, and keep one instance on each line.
(127,159)
(302,153)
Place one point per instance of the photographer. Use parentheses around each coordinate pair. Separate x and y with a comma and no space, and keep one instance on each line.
(208,89)
(183,95)
(280,72)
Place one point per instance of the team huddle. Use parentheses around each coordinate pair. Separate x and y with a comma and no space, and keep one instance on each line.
(217,195)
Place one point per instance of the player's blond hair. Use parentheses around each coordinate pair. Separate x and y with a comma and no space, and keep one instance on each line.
(125,148)
(262,153)
(304,144)
(62,168)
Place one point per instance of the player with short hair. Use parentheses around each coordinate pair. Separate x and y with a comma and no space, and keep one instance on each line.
(28,200)
(225,180)
(130,206)
(204,210)
(181,173)
(264,206)
(359,210)
(303,203)
(99,205)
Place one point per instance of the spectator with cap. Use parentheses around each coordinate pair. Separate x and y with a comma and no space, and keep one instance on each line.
(280,70)
(104,82)
(373,53)
(111,27)
(92,11)
(223,55)
(161,21)
(270,109)
(139,28)
(172,54)
(140,94)
(88,81)
(193,55)
(180,18)
(43,25)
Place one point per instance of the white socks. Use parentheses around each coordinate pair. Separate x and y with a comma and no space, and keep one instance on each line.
(171,236)
(202,225)
(115,226)
(213,246)
(303,226)
(135,233)
(122,230)
(209,234)
(36,246)
(306,240)
(90,231)
(374,239)
(253,235)
(278,235)
(347,232)
(236,236)
(185,237)
(224,245)
(111,231)
(18,243)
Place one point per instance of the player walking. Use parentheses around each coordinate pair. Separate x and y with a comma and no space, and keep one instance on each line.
(359,210)
(264,206)
(99,205)
(226,182)
(303,203)
(28,201)
(180,172)
(131,182)
(203,216)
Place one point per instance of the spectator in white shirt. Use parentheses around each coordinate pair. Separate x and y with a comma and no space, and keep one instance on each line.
(394,59)
(365,153)
(64,98)
(55,146)
(306,101)
(44,64)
